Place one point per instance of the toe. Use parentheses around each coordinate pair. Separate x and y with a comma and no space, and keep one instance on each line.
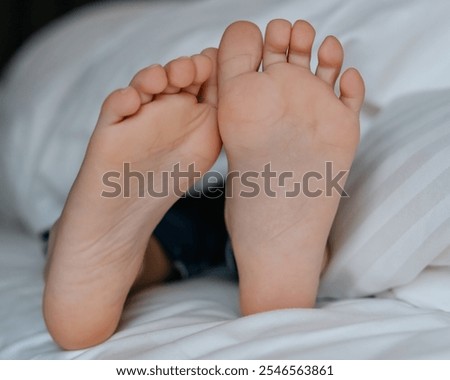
(149,81)
(302,38)
(240,51)
(203,68)
(352,89)
(208,92)
(331,55)
(180,74)
(276,42)
(118,105)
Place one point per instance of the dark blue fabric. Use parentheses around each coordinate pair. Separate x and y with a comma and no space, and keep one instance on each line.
(193,234)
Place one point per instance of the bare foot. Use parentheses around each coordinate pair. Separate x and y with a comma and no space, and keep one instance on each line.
(99,242)
(291,118)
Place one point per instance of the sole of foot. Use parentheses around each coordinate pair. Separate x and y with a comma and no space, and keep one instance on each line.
(165,119)
(290,118)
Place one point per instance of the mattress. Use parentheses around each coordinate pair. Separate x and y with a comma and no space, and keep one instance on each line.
(385,294)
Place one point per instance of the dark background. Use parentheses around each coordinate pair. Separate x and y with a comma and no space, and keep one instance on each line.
(20,18)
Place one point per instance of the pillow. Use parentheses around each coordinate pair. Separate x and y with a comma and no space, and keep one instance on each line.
(428,291)
(396,221)
(57,83)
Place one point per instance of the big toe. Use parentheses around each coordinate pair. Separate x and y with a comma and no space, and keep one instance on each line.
(240,51)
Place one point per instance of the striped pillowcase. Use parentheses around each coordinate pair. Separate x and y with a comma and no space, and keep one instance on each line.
(396,221)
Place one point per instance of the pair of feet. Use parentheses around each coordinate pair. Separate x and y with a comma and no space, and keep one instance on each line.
(182,114)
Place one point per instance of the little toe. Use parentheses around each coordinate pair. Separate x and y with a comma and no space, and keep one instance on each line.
(240,51)
(352,89)
(118,105)
(276,43)
(203,68)
(180,74)
(302,39)
(331,55)
(149,81)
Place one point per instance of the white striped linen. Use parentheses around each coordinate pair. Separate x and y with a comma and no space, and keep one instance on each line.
(396,222)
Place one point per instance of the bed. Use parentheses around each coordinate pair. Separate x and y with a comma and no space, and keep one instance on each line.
(386,293)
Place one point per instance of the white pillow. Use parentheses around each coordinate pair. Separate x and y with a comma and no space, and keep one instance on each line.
(396,221)
(57,83)
(428,291)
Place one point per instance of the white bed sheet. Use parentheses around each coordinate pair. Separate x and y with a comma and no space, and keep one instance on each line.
(198,319)
(41,109)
